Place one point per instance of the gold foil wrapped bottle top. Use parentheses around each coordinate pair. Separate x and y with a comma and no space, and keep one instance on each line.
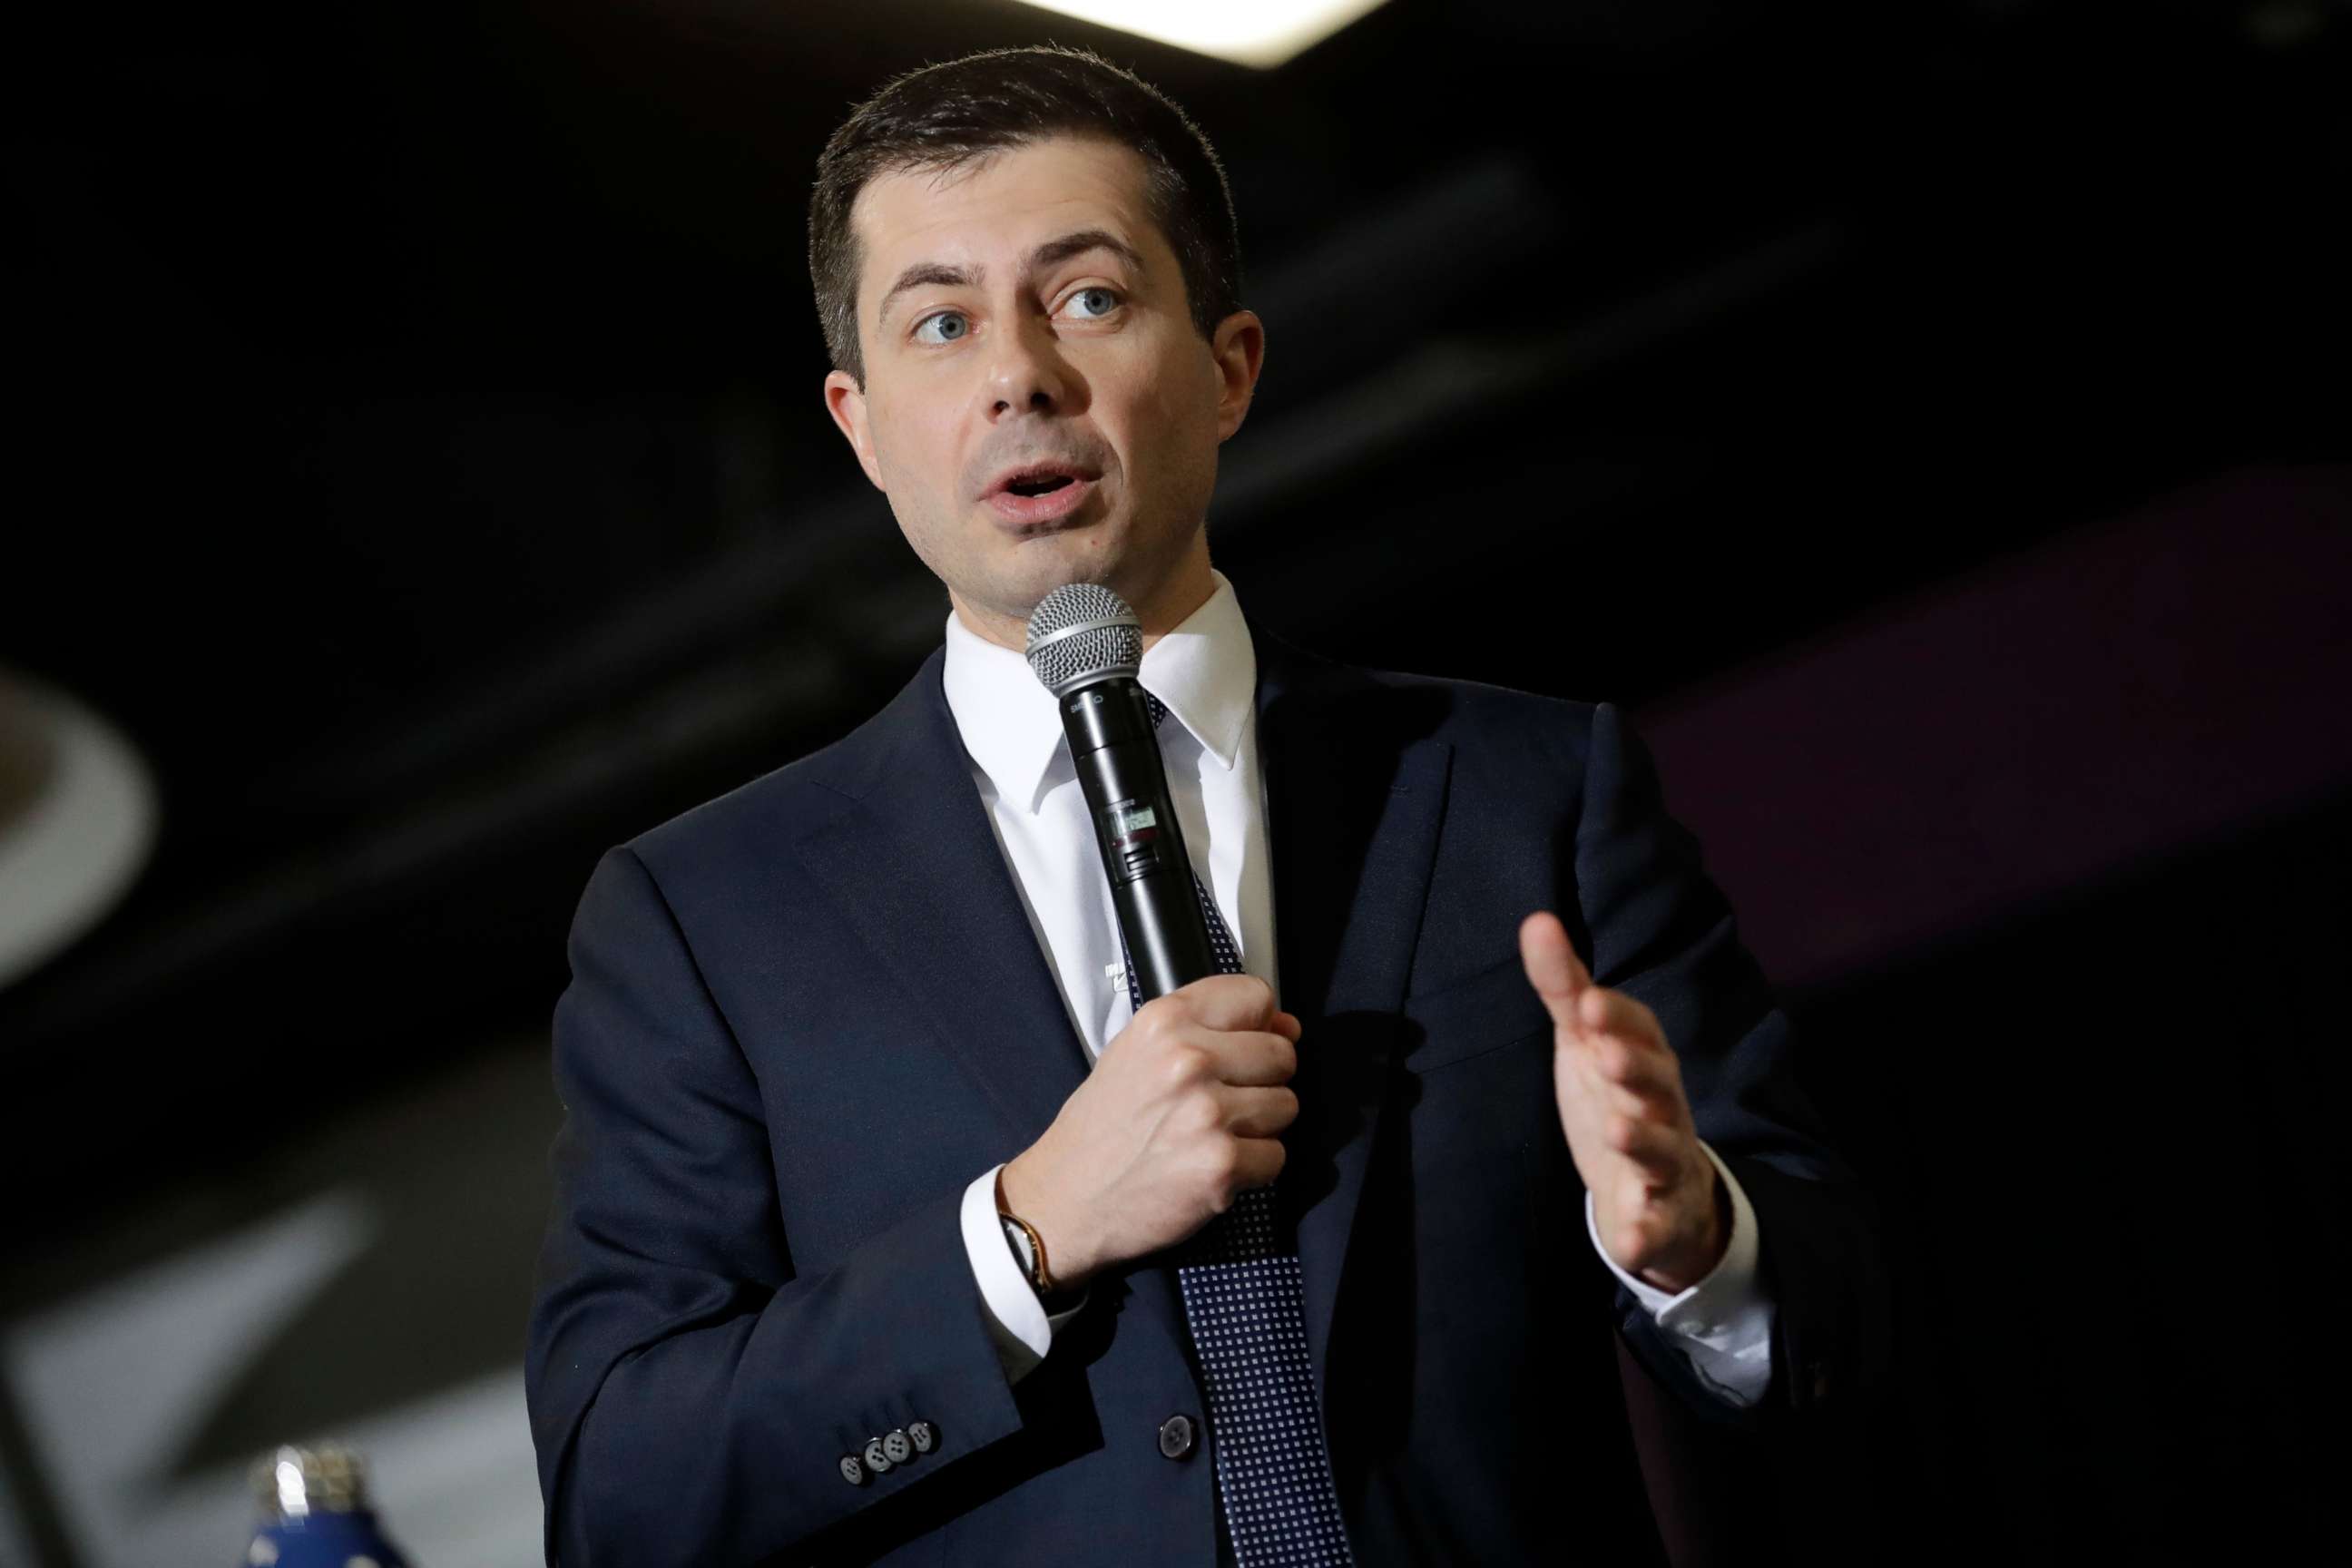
(295,1483)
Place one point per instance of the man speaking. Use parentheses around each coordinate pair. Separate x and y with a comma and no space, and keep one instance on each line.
(900,1219)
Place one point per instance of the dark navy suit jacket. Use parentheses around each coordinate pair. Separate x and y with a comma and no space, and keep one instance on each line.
(803,1016)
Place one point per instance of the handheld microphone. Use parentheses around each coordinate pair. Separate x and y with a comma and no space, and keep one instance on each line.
(1086,646)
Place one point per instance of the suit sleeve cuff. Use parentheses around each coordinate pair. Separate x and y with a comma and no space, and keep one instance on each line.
(1723,1323)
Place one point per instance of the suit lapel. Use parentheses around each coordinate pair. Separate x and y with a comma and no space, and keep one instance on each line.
(914,867)
(1355,792)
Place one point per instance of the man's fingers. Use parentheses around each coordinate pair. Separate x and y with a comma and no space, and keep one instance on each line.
(1553,968)
(1252,1057)
(1259,1112)
(1230,1002)
(1611,1074)
(1603,1011)
(1644,1081)
(1626,1044)
(1655,1147)
(1649,1093)
(1257,1163)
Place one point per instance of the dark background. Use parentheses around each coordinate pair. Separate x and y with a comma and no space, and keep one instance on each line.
(1928,419)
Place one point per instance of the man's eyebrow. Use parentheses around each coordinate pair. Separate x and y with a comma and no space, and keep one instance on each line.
(927,273)
(939,274)
(1055,251)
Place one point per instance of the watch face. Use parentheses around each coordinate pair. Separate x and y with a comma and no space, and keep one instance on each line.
(1018,1239)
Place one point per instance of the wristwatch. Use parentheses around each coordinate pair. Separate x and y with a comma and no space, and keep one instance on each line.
(1029,1251)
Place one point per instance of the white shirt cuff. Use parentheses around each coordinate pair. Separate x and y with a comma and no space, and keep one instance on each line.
(1723,1324)
(1017,1321)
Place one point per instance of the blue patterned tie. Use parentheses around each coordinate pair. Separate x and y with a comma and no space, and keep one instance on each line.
(1243,1302)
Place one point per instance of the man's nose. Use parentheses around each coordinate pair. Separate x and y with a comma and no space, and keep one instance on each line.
(1028,374)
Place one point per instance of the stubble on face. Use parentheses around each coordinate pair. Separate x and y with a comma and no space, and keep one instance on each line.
(1131,400)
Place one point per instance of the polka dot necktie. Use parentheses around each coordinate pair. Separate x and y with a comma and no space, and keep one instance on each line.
(1240,1281)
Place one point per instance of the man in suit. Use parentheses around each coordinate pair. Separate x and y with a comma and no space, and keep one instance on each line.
(874,1187)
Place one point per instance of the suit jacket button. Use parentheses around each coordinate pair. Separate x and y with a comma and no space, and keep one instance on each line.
(851,1471)
(922,1435)
(895,1444)
(1176,1436)
(876,1460)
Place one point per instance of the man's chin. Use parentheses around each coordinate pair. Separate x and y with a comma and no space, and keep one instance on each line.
(1045,561)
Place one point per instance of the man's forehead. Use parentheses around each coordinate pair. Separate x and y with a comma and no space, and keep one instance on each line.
(1001,203)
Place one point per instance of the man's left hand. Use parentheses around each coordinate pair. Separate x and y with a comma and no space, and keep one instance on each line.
(1656,1200)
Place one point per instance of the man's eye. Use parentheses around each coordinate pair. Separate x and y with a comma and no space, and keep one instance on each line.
(942,327)
(1095,303)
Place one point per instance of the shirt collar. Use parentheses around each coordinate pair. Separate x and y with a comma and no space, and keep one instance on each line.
(1206,670)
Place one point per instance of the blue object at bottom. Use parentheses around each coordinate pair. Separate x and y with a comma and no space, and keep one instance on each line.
(325,1541)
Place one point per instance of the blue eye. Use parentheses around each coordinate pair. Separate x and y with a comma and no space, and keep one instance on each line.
(952,326)
(1099,302)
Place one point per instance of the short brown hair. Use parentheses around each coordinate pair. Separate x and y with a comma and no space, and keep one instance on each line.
(943,116)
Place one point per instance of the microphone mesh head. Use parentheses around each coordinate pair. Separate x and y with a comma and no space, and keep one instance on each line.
(1082,632)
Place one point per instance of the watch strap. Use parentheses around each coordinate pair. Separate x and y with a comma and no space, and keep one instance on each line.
(1041,1278)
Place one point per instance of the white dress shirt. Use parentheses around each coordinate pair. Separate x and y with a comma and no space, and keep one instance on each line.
(1206,670)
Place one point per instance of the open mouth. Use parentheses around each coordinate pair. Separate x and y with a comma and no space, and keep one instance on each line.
(1048,492)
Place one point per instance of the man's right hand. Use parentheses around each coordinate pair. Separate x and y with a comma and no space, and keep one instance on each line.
(1180,1116)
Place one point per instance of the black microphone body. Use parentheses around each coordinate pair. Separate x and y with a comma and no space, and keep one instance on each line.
(1125,780)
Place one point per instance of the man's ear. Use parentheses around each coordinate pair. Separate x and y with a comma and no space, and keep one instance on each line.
(1239,350)
(845,401)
